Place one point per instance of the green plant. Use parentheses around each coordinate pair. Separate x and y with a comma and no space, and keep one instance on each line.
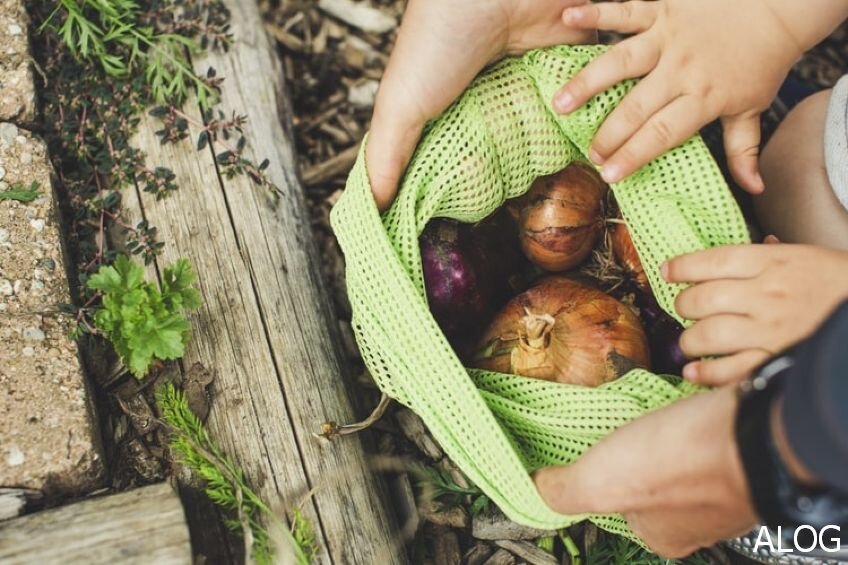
(111,33)
(99,78)
(20,193)
(226,485)
(616,550)
(141,321)
(438,484)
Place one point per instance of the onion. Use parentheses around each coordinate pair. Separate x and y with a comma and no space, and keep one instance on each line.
(663,334)
(468,272)
(565,331)
(561,217)
(626,255)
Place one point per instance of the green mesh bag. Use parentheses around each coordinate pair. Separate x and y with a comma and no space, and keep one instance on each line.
(488,147)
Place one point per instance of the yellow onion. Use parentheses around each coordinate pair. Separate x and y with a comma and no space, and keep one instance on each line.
(561,217)
(626,255)
(565,331)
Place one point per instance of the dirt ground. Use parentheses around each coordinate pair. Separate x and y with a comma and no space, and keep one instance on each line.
(332,69)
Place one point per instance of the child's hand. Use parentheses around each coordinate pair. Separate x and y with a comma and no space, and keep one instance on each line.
(441,47)
(751,302)
(701,60)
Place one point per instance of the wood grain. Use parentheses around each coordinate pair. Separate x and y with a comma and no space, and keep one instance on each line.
(141,526)
(266,328)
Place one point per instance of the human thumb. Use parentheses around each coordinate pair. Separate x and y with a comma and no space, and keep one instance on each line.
(742,146)
(391,142)
(565,489)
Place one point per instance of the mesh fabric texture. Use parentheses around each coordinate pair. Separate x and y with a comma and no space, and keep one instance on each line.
(488,147)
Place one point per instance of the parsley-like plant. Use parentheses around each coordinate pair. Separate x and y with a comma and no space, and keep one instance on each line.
(142,322)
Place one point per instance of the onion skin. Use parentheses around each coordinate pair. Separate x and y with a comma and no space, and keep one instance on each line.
(626,255)
(564,331)
(467,274)
(561,217)
(663,335)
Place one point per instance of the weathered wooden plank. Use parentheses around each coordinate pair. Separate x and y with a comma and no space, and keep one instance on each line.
(141,526)
(266,328)
(276,244)
(249,418)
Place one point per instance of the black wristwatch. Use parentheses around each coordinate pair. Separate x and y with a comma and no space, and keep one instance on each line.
(781,501)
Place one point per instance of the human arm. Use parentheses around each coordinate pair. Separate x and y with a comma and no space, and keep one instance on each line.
(442,45)
(674,474)
(700,61)
(693,486)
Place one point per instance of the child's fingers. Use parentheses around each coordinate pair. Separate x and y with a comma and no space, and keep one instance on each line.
(631,58)
(742,145)
(716,297)
(720,335)
(726,262)
(648,97)
(725,370)
(666,129)
(629,17)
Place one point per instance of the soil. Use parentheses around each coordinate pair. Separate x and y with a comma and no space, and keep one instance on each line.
(331,68)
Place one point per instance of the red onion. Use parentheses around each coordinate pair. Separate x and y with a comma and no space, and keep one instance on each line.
(663,335)
(468,274)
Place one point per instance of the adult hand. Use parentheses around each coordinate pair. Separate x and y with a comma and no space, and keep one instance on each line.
(701,60)
(442,45)
(686,492)
(750,302)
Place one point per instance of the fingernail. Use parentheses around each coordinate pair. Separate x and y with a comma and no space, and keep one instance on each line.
(690,372)
(611,173)
(761,184)
(572,15)
(664,271)
(563,102)
(595,157)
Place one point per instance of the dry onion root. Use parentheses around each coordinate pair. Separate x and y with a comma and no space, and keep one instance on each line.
(561,217)
(564,331)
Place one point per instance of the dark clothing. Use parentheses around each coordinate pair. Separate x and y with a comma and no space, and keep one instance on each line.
(815,402)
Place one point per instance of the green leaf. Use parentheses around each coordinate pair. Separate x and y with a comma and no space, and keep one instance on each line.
(142,322)
(480,504)
(21,194)
(106,279)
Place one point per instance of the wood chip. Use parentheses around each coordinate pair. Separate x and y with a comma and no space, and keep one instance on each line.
(415,431)
(445,547)
(496,526)
(478,554)
(337,165)
(289,41)
(359,15)
(501,557)
(528,552)
(319,42)
(403,498)
(437,513)
(339,135)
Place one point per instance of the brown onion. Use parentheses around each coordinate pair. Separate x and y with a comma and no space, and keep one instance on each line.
(561,217)
(626,255)
(562,330)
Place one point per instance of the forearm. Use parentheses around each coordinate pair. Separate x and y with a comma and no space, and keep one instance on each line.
(808,22)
